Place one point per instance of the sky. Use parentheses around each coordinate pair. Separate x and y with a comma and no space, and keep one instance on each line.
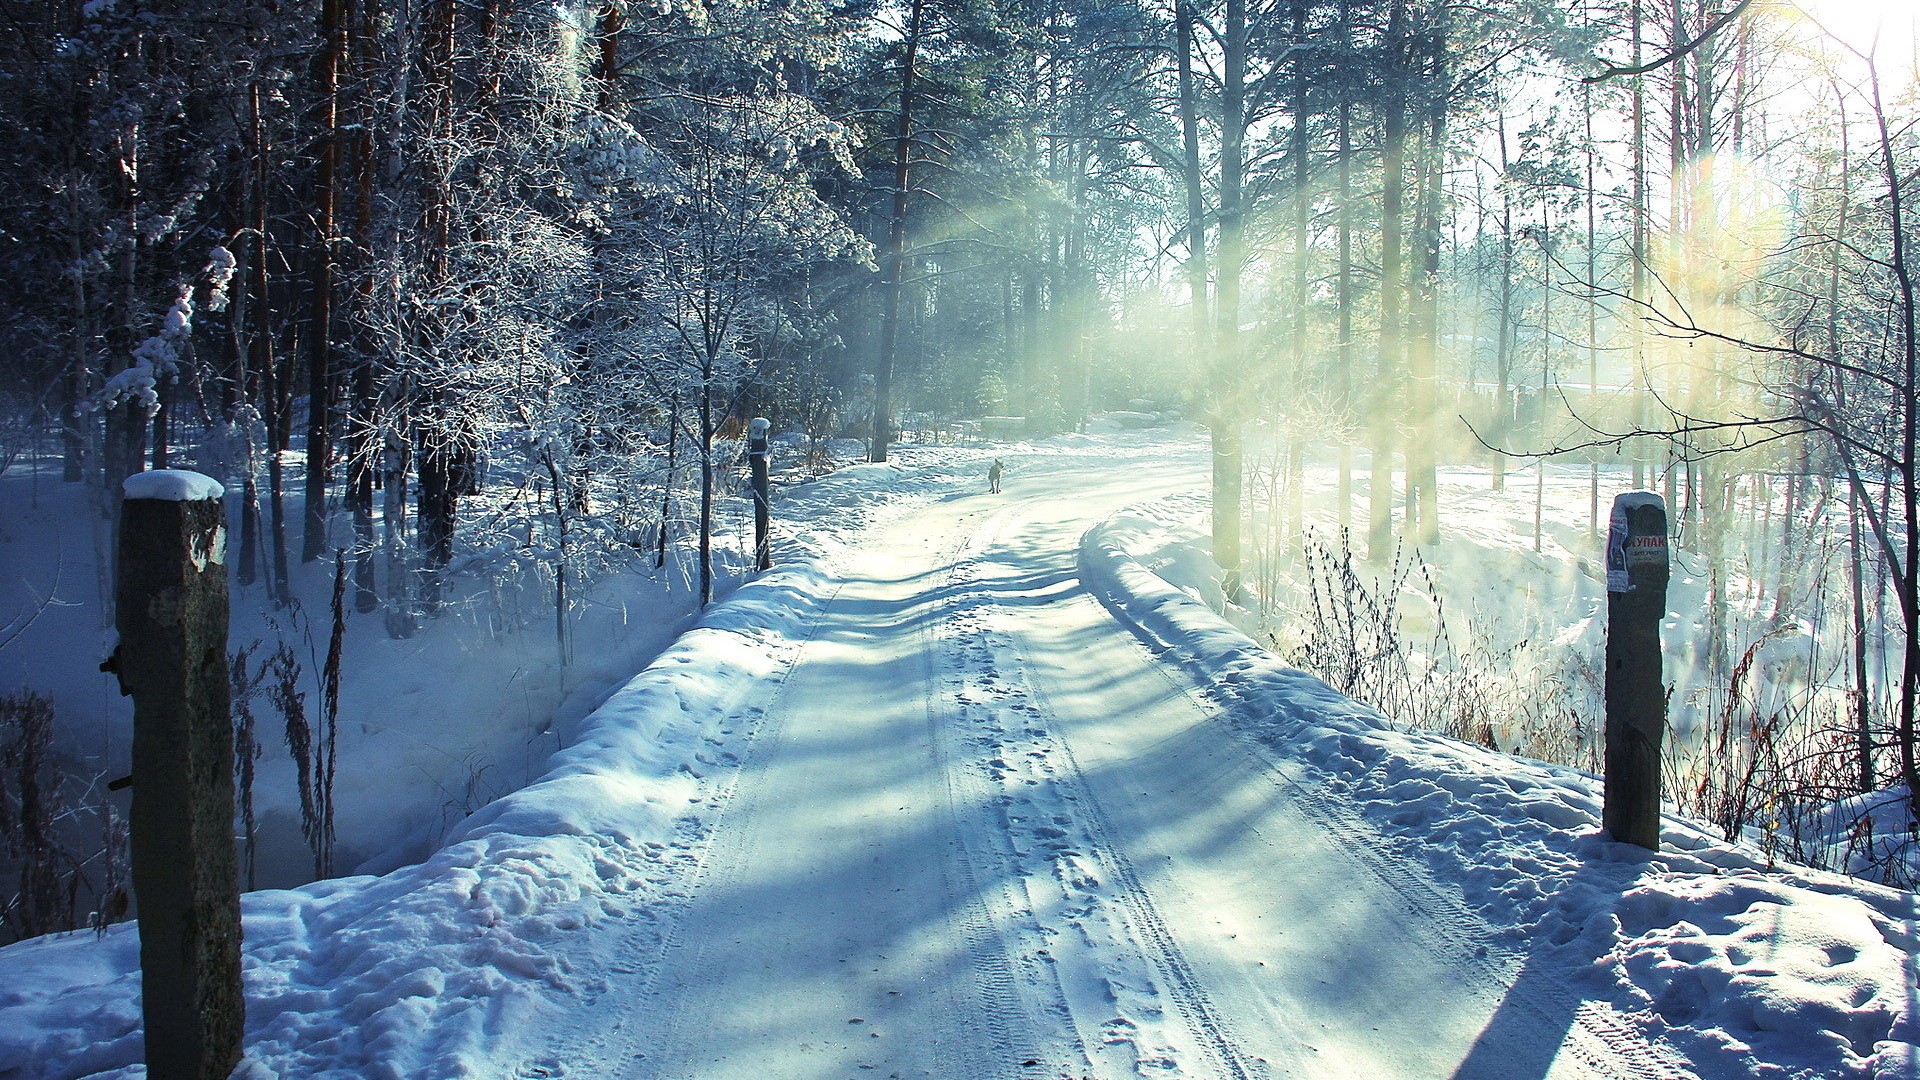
(1884,28)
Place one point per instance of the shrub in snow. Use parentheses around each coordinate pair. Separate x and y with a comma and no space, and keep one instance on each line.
(47,841)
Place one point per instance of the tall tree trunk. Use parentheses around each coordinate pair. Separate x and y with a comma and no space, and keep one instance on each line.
(320,361)
(1503,403)
(396,466)
(360,438)
(240,394)
(266,366)
(1862,693)
(1344,300)
(78,429)
(1676,225)
(1302,256)
(75,427)
(1546,372)
(248,569)
(1503,347)
(1638,257)
(1423,494)
(1393,169)
(126,422)
(1032,341)
(438,511)
(441,437)
(278,584)
(1907,572)
(1297,150)
(162,422)
(1193,180)
(666,485)
(707,428)
(1714,503)
(1344,280)
(1593,306)
(613,21)
(1229,380)
(894,257)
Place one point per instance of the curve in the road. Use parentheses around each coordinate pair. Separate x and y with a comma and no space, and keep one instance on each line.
(981,831)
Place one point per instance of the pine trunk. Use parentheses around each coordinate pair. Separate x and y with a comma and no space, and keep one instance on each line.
(1388,372)
(893,264)
(333,36)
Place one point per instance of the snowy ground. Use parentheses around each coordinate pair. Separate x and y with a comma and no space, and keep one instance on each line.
(976,786)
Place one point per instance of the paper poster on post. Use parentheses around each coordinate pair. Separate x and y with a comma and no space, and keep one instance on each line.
(1624,550)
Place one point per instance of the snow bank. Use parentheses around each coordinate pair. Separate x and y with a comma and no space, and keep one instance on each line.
(1749,970)
(405,975)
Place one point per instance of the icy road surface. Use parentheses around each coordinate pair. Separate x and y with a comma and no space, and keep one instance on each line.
(979,829)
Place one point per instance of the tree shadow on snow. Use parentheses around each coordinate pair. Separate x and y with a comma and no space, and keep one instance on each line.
(1536,1021)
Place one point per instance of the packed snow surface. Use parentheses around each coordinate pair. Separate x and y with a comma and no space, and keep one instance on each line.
(172,485)
(984,786)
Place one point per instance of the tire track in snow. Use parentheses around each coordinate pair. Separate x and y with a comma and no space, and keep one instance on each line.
(676,875)
(715,871)
(986,1011)
(1125,994)
(1211,1032)
(998,990)
(1025,978)
(1604,1042)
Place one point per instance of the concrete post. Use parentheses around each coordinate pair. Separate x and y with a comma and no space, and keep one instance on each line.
(171,597)
(762,492)
(1636,690)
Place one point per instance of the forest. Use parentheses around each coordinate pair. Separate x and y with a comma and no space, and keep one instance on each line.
(451,289)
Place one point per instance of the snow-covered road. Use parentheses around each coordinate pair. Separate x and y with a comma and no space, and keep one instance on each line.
(981,830)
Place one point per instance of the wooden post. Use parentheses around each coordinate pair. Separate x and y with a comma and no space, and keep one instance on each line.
(171,601)
(762,492)
(1636,690)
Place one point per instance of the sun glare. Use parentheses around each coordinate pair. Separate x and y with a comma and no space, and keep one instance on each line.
(1881,28)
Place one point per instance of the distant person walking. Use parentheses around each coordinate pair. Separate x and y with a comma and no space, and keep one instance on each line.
(993,476)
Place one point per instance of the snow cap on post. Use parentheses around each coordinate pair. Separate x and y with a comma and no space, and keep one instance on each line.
(757,428)
(172,485)
(1635,537)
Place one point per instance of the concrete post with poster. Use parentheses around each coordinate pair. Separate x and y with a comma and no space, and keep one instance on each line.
(762,492)
(170,600)
(1636,689)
